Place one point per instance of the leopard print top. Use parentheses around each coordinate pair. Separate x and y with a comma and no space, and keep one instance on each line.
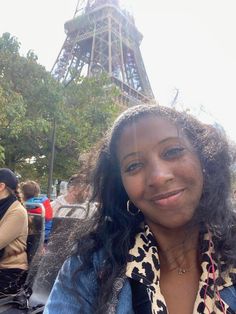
(144,266)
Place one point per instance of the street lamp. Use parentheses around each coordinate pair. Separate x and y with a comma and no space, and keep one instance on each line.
(51,160)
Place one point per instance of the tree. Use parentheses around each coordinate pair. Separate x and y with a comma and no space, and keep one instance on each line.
(12,112)
(30,99)
(9,43)
(90,109)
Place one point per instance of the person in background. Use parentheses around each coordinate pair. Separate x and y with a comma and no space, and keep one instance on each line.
(76,195)
(163,239)
(30,191)
(13,235)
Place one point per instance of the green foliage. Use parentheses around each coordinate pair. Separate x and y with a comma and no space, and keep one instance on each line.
(30,99)
(9,43)
(90,110)
(2,156)
(31,56)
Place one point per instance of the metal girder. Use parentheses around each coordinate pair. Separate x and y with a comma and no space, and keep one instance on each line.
(104,38)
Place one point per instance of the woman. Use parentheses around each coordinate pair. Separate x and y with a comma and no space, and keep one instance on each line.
(76,194)
(163,240)
(13,235)
(30,191)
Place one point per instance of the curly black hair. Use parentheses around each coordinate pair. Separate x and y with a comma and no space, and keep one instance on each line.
(113,229)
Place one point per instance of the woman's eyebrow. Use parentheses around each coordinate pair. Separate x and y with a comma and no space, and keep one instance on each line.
(169,138)
(161,142)
(130,155)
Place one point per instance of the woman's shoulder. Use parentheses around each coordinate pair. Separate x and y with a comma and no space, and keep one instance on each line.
(75,274)
(79,278)
(75,261)
(18,209)
(18,205)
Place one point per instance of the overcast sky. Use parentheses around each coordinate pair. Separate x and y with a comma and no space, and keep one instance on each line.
(187,45)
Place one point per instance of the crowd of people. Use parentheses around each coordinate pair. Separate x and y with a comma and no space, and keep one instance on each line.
(163,235)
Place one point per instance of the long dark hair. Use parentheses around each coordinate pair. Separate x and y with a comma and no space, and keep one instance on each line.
(113,228)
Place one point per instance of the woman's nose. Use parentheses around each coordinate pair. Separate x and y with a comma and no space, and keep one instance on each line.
(159,173)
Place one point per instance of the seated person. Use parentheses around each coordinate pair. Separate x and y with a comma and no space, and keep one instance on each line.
(76,194)
(13,235)
(30,191)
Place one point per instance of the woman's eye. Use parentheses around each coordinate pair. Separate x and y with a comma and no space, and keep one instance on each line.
(174,152)
(133,167)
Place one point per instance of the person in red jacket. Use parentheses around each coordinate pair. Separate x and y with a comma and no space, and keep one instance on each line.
(30,191)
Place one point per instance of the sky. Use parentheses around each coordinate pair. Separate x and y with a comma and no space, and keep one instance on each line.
(188,45)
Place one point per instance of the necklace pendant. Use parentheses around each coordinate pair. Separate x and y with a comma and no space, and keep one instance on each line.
(182,271)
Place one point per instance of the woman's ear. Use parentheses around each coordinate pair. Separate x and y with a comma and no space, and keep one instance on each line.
(2,186)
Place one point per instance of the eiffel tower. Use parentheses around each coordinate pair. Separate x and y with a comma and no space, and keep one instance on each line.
(102,37)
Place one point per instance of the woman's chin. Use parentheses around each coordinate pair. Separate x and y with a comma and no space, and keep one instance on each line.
(172,223)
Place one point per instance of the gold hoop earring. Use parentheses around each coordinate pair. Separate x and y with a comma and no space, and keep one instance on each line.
(130,211)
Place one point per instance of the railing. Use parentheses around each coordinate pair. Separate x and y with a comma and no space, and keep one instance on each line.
(31,206)
(57,214)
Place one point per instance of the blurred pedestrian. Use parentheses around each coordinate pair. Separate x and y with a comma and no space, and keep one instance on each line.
(76,195)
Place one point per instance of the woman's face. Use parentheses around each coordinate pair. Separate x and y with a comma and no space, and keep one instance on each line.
(161,172)
(3,190)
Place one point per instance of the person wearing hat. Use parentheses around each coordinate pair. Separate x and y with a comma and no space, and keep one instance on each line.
(13,235)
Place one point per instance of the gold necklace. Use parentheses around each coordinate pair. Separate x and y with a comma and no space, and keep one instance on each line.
(182,271)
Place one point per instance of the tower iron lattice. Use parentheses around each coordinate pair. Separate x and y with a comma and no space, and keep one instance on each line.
(102,37)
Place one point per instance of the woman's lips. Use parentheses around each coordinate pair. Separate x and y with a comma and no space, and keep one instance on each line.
(168,199)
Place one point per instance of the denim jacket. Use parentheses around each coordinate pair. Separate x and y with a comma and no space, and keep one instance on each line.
(74,292)
(71,285)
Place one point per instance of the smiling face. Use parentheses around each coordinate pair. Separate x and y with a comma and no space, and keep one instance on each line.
(160,171)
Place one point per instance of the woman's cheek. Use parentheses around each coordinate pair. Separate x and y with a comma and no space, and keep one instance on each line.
(133,186)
